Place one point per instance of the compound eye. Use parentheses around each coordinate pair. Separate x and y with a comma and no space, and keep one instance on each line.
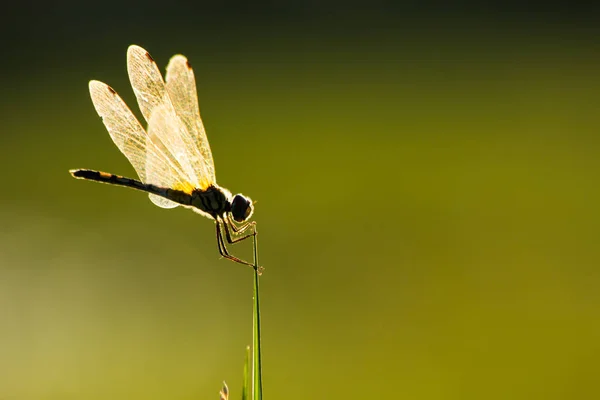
(241,208)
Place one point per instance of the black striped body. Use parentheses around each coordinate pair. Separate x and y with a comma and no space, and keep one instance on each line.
(177,196)
(212,202)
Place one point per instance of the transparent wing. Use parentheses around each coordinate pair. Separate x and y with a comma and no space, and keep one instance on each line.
(161,201)
(164,125)
(133,141)
(181,86)
(151,93)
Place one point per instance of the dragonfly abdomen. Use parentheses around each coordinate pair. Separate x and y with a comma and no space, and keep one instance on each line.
(104,177)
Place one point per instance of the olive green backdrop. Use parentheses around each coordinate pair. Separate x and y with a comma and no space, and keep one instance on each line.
(427,187)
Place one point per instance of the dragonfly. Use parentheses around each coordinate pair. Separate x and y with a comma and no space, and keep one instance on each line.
(172,157)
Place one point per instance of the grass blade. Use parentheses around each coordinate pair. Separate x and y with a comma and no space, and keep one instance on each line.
(246,385)
(256,351)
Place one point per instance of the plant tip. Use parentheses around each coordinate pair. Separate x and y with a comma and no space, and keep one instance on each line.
(224,393)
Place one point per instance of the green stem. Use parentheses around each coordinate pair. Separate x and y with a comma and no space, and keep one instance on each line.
(256,353)
(246,386)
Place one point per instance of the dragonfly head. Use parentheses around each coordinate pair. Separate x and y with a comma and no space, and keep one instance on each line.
(241,208)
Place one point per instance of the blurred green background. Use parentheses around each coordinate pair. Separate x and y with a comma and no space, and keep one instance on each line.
(427,186)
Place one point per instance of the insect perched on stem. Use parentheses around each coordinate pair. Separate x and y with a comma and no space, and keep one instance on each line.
(172,157)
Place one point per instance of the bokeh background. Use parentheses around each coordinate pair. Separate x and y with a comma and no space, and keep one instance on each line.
(427,186)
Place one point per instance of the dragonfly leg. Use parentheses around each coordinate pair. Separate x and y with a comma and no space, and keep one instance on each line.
(223,249)
(220,240)
(239,229)
(230,240)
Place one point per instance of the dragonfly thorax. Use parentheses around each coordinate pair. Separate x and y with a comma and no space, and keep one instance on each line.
(214,201)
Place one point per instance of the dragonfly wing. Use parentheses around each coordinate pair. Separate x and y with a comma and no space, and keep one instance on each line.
(131,138)
(164,125)
(161,201)
(158,175)
(151,93)
(181,86)
(146,80)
